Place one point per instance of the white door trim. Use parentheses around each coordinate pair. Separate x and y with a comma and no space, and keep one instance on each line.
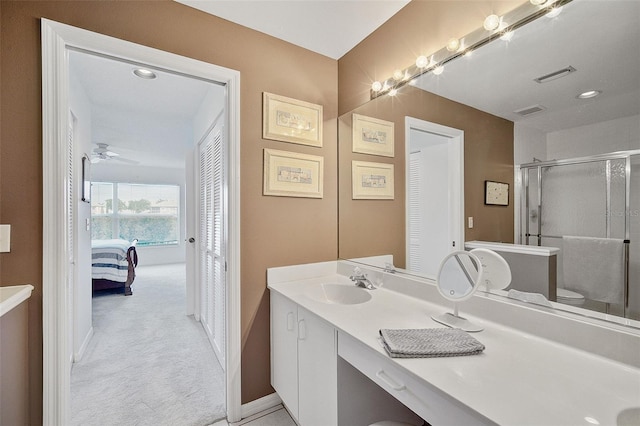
(56,39)
(456,175)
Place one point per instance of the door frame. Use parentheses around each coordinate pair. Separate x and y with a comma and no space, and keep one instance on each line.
(455,157)
(57,38)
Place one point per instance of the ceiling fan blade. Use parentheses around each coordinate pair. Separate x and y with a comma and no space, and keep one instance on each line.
(124,160)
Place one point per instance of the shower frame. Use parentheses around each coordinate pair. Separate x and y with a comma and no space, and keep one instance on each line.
(606,158)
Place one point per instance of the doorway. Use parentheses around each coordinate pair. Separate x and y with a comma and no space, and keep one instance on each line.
(435,194)
(57,40)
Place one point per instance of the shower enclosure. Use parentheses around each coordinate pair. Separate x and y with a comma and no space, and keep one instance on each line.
(593,200)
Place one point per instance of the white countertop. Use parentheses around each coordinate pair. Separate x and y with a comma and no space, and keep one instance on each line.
(12,296)
(520,379)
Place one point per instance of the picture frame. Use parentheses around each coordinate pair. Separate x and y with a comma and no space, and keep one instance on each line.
(496,193)
(86,179)
(373,136)
(291,120)
(372,181)
(292,174)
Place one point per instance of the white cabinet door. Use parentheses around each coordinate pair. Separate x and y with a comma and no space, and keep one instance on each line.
(317,371)
(284,351)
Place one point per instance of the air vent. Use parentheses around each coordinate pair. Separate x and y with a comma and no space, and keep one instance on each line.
(555,75)
(530,110)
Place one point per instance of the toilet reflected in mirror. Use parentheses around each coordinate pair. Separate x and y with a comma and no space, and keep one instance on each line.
(459,276)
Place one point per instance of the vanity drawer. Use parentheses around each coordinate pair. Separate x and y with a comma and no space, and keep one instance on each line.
(422,398)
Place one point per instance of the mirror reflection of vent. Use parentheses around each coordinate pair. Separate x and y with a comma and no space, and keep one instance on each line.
(555,75)
(534,109)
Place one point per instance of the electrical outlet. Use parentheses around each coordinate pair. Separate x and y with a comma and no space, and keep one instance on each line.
(5,238)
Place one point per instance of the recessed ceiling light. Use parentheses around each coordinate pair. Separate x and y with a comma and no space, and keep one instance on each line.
(589,94)
(145,73)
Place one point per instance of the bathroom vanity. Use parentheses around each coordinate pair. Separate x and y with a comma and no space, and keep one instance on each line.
(329,367)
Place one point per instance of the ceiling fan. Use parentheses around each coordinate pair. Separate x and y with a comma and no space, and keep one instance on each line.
(103,153)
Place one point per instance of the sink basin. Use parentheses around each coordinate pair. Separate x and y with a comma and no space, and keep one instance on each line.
(340,294)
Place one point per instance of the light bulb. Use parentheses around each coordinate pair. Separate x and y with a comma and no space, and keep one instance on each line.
(393,92)
(554,11)
(453,45)
(537,2)
(398,75)
(422,62)
(491,22)
(507,36)
(376,86)
(438,70)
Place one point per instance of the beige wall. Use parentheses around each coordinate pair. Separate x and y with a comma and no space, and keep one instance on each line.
(275,231)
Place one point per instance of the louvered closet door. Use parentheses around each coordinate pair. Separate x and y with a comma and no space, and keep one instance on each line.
(416,252)
(212,240)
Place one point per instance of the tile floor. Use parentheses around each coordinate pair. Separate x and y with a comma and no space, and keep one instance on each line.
(276,416)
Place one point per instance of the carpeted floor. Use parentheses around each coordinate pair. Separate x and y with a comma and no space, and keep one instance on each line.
(147,363)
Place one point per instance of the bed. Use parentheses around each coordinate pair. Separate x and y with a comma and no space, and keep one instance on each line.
(113,264)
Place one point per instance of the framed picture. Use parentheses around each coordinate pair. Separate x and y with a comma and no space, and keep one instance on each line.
(289,120)
(372,136)
(291,174)
(86,179)
(372,181)
(496,193)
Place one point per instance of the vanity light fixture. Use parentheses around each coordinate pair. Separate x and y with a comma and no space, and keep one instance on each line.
(538,2)
(491,22)
(376,86)
(393,92)
(438,70)
(398,75)
(145,73)
(589,94)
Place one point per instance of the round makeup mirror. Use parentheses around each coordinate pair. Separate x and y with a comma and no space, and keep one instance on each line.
(459,276)
(496,271)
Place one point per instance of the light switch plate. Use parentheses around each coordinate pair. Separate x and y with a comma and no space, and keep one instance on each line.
(5,238)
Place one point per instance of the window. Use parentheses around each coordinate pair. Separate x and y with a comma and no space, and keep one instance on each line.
(146,212)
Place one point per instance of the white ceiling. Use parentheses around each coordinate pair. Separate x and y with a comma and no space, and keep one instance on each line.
(328,27)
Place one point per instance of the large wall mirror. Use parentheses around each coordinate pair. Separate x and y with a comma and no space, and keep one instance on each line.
(551,113)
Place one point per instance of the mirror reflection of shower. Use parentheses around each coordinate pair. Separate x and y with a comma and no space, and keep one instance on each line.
(589,209)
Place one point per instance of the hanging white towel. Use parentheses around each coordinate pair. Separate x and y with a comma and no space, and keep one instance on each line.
(594,267)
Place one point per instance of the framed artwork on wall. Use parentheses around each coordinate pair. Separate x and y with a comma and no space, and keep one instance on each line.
(372,181)
(496,193)
(290,120)
(291,174)
(86,179)
(373,136)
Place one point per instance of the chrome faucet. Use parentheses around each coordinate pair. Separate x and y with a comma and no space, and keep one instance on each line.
(361,279)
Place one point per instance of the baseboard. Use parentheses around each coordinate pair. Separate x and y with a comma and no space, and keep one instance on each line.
(259,405)
(78,355)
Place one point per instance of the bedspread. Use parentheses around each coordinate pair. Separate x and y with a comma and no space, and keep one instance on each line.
(109,259)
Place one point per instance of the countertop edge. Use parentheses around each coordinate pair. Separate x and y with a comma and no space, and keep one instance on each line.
(22,293)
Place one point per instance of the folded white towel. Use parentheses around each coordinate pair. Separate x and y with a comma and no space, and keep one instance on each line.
(429,342)
(594,267)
